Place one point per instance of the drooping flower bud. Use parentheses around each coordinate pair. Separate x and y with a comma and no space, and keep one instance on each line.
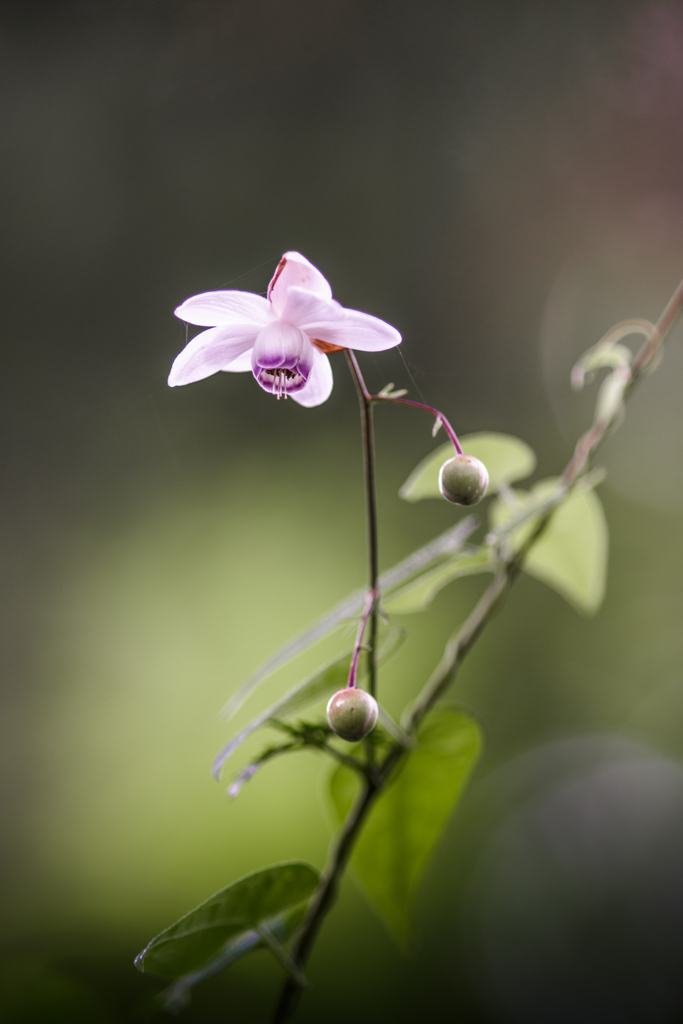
(463,480)
(352,713)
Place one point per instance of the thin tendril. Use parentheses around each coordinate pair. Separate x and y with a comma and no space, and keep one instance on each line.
(410,374)
(367,611)
(371,399)
(452,436)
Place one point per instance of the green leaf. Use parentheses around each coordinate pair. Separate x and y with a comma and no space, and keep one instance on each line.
(177,995)
(325,681)
(282,954)
(446,544)
(409,816)
(328,679)
(394,729)
(419,593)
(229,922)
(506,458)
(571,554)
(515,517)
(250,770)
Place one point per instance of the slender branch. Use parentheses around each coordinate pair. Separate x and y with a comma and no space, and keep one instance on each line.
(282,955)
(370,603)
(347,759)
(324,897)
(326,893)
(452,436)
(668,318)
(455,652)
(370,511)
(440,418)
(458,646)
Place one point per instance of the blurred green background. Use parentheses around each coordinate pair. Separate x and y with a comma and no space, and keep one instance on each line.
(502,181)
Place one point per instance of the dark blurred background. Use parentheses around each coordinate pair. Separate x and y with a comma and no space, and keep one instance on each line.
(501,181)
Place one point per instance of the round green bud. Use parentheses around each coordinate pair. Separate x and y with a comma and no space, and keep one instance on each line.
(463,479)
(352,713)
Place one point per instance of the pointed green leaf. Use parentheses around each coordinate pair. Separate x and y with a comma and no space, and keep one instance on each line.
(282,954)
(446,544)
(328,679)
(394,729)
(571,554)
(282,928)
(227,922)
(405,824)
(420,592)
(514,518)
(177,996)
(506,458)
(254,766)
(324,682)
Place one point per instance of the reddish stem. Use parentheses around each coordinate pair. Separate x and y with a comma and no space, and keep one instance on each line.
(367,611)
(452,436)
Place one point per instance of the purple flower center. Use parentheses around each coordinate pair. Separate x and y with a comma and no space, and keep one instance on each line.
(282,358)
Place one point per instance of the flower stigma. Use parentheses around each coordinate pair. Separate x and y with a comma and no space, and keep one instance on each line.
(280,382)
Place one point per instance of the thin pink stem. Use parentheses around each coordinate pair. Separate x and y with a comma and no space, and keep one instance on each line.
(359,376)
(452,436)
(358,646)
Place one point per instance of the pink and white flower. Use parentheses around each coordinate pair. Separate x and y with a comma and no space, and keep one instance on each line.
(283,339)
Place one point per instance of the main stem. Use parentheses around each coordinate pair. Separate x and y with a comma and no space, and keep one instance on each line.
(365,404)
(326,893)
(456,648)
(324,897)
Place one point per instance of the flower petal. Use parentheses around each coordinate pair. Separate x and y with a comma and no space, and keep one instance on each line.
(302,307)
(239,365)
(318,387)
(217,309)
(210,352)
(294,270)
(356,330)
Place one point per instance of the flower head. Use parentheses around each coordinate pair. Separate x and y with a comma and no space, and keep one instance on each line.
(283,338)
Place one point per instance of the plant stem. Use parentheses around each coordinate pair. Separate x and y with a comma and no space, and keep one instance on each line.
(326,893)
(370,602)
(455,652)
(370,512)
(324,897)
(490,601)
(452,436)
